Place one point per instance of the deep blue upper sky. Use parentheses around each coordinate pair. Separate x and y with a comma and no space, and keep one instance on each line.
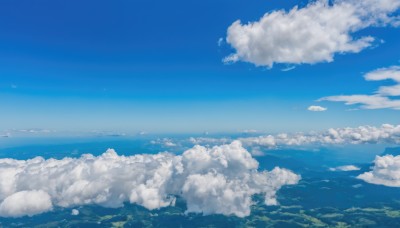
(157,66)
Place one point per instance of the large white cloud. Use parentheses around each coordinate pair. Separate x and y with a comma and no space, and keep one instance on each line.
(221,180)
(386,171)
(383,97)
(25,203)
(360,135)
(312,34)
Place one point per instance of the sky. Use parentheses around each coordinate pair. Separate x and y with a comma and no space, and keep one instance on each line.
(190,66)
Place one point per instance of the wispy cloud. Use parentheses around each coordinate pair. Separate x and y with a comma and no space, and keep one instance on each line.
(383,97)
(289,68)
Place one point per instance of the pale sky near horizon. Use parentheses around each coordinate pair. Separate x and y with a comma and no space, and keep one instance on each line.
(190,66)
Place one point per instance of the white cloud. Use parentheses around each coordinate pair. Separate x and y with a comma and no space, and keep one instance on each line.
(217,180)
(23,203)
(314,108)
(360,135)
(311,34)
(366,101)
(74,212)
(289,68)
(382,97)
(345,168)
(167,142)
(357,186)
(386,171)
(220,41)
(208,140)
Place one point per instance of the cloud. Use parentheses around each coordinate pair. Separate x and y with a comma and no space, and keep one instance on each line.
(74,212)
(220,41)
(345,168)
(382,97)
(366,101)
(217,180)
(167,142)
(209,140)
(386,171)
(314,108)
(390,73)
(249,131)
(289,68)
(357,186)
(25,203)
(360,135)
(312,34)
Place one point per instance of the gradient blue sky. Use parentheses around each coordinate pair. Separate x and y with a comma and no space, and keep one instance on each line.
(156,66)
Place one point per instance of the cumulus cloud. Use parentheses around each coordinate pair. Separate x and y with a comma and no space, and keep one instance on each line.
(386,171)
(345,168)
(360,135)
(383,97)
(314,108)
(312,34)
(74,212)
(22,203)
(217,180)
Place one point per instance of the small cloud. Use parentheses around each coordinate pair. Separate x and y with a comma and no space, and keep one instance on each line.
(74,212)
(167,142)
(385,171)
(220,41)
(289,68)
(257,152)
(13,86)
(345,168)
(315,108)
(357,186)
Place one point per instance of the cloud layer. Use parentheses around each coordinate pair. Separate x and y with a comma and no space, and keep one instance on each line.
(386,171)
(311,34)
(217,180)
(360,135)
(383,97)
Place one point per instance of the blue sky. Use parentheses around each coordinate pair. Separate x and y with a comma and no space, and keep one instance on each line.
(156,66)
